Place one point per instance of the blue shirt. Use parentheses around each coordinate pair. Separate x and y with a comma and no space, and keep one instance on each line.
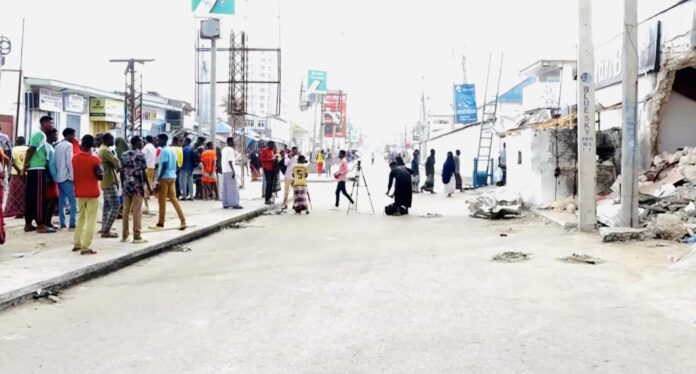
(188,159)
(169,157)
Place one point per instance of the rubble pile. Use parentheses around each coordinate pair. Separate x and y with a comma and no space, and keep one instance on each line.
(496,205)
(668,195)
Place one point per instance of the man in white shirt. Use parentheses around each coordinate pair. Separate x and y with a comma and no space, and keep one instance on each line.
(150,153)
(290,162)
(230,189)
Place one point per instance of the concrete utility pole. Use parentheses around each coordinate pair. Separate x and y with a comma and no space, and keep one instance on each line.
(587,145)
(213,82)
(629,134)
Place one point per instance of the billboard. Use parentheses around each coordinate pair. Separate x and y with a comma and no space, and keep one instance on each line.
(316,82)
(333,111)
(465,104)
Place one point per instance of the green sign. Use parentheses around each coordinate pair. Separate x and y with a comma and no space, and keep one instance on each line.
(205,7)
(316,82)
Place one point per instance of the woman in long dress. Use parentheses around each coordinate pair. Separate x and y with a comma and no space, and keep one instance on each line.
(209,178)
(299,186)
(448,179)
(320,163)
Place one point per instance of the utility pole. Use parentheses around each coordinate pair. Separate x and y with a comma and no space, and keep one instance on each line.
(132,107)
(587,145)
(213,83)
(629,138)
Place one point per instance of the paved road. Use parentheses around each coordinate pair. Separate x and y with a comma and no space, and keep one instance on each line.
(337,293)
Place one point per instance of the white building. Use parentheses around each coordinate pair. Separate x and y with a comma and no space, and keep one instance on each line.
(261,98)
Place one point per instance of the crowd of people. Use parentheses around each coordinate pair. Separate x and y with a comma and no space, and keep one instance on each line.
(68,178)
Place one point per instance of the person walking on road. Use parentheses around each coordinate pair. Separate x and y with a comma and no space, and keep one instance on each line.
(457,171)
(268,160)
(109,186)
(299,186)
(448,175)
(133,184)
(429,173)
(65,179)
(18,182)
(35,171)
(341,176)
(320,163)
(230,188)
(415,172)
(164,184)
(88,172)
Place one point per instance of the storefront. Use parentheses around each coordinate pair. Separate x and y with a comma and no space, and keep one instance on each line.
(106,115)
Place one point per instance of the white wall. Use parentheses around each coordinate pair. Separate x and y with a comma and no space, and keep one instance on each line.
(678,125)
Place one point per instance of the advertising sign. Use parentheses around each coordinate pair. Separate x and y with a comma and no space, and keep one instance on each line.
(465,104)
(208,7)
(50,101)
(609,57)
(316,82)
(106,110)
(74,103)
(333,109)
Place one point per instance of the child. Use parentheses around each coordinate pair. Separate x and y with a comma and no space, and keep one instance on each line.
(299,186)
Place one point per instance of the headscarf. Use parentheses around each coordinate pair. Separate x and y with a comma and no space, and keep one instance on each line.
(448,169)
(121,147)
(399,161)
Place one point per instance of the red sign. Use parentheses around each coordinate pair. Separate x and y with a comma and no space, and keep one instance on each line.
(333,112)
(7,125)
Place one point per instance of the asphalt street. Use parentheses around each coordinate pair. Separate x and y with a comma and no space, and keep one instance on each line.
(332,292)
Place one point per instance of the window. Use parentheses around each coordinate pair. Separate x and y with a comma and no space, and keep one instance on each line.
(73,122)
(250,123)
(262,123)
(519,157)
(262,90)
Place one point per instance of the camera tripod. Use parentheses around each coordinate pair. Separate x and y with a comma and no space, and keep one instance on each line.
(356,189)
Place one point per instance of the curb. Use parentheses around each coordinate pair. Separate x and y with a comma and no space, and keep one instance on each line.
(16,297)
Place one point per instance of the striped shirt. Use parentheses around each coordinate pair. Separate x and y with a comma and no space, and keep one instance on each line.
(64,155)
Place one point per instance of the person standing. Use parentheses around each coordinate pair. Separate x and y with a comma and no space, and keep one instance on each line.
(18,182)
(65,179)
(328,163)
(320,162)
(429,173)
(150,153)
(199,148)
(133,183)
(403,191)
(179,152)
(290,162)
(50,185)
(502,164)
(35,169)
(164,184)
(109,186)
(230,189)
(341,176)
(186,174)
(448,175)
(4,161)
(88,172)
(299,186)
(415,172)
(268,161)
(255,165)
(457,171)
(209,178)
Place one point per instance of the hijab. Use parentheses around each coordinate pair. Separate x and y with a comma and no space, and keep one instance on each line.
(448,169)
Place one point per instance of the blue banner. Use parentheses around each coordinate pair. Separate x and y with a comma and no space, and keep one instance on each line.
(465,110)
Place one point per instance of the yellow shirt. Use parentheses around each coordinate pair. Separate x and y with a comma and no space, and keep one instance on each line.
(320,158)
(179,152)
(299,175)
(18,154)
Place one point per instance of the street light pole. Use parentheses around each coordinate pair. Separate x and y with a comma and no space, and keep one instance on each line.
(629,137)
(213,66)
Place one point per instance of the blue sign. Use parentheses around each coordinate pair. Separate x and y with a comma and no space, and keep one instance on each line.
(207,7)
(316,82)
(465,110)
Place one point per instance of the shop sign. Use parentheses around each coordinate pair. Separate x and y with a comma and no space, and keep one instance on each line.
(106,110)
(50,101)
(74,103)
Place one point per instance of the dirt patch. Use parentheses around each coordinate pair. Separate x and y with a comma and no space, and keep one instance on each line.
(511,257)
(581,259)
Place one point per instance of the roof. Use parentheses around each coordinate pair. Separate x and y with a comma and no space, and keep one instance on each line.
(61,86)
(545,65)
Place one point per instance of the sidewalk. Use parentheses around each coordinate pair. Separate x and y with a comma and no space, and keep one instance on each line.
(30,261)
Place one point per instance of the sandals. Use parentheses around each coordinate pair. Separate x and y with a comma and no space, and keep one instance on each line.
(88,252)
(109,235)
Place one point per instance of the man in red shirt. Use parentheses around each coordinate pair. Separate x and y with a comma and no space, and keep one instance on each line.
(268,161)
(88,171)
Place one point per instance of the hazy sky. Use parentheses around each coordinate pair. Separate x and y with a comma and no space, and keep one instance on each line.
(378,51)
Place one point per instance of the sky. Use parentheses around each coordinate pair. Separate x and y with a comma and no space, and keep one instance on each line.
(385,53)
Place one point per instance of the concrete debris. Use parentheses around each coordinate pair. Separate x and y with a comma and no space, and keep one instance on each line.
(511,257)
(55,299)
(668,195)
(582,259)
(621,234)
(496,205)
(180,248)
(45,294)
(431,215)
